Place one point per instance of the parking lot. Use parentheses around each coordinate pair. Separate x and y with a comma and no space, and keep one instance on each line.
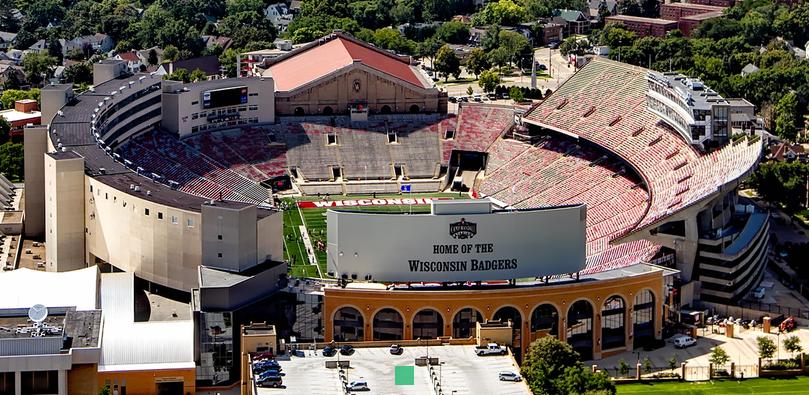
(460,372)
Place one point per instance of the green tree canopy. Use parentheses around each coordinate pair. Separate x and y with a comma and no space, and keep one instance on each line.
(11,161)
(447,63)
(500,12)
(551,366)
(453,32)
(489,80)
(719,357)
(477,62)
(766,347)
(793,344)
(786,115)
(38,67)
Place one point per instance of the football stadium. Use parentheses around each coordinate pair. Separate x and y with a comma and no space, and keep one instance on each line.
(588,216)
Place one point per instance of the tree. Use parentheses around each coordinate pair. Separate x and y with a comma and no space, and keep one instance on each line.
(623,368)
(453,32)
(545,361)
(245,27)
(197,75)
(786,115)
(152,57)
(389,38)
(477,62)
(79,73)
(178,75)
(516,94)
(499,57)
(228,61)
(9,96)
(793,344)
(650,8)
(8,22)
(782,183)
(447,63)
(515,43)
(573,45)
(672,362)
(491,39)
(5,130)
(647,365)
(170,53)
(603,10)
(501,12)
(718,357)
(11,160)
(38,67)
(766,347)
(629,7)
(552,367)
(489,80)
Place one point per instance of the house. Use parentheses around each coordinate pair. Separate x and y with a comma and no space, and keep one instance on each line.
(133,62)
(476,35)
(98,43)
(749,69)
(7,39)
(783,152)
(208,64)
(276,13)
(11,72)
(295,6)
(15,55)
(644,27)
(222,41)
(575,21)
(40,47)
(595,6)
(143,55)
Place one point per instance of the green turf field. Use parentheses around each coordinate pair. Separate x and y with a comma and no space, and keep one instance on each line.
(315,221)
(789,386)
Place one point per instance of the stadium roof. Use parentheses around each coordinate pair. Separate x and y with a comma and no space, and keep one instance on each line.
(23,288)
(159,345)
(335,52)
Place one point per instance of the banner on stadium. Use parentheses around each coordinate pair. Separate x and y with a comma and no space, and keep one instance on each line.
(368,202)
(461,242)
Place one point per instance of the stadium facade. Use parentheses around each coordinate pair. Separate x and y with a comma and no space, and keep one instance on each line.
(132,180)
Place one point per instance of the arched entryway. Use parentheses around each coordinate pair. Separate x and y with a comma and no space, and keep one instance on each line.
(385,109)
(463,324)
(388,325)
(545,320)
(414,109)
(348,325)
(505,314)
(299,111)
(643,313)
(328,110)
(613,331)
(580,328)
(428,324)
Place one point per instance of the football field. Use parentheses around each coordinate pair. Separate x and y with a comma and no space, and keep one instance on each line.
(314,220)
(796,385)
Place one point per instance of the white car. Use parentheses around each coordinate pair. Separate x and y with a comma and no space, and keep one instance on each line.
(759,292)
(359,385)
(509,376)
(685,341)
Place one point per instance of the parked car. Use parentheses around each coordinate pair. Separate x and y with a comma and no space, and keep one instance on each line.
(270,373)
(359,385)
(346,350)
(553,44)
(329,351)
(396,349)
(509,376)
(266,364)
(491,349)
(452,99)
(263,355)
(759,292)
(270,381)
(684,342)
(542,67)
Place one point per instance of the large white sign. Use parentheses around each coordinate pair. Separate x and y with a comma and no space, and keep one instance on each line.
(456,247)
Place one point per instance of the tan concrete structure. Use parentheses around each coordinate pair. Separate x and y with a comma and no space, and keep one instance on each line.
(64,214)
(36,144)
(369,301)
(255,337)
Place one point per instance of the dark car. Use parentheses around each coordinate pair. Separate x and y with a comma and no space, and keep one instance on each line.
(346,350)
(263,355)
(265,369)
(329,351)
(553,44)
(396,349)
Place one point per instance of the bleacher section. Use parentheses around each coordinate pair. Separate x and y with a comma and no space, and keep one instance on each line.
(604,103)
(478,126)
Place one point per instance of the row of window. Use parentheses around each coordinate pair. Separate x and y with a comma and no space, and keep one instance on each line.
(217,125)
(174,219)
(224,111)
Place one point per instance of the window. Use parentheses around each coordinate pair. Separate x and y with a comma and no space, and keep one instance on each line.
(331,139)
(244,108)
(159,215)
(106,196)
(195,102)
(253,108)
(219,237)
(392,138)
(195,115)
(190,223)
(91,189)
(174,219)
(219,255)
(146,211)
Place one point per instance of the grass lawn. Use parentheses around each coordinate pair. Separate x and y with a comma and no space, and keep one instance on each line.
(315,221)
(798,385)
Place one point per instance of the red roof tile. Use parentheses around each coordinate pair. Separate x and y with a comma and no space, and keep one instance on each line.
(310,64)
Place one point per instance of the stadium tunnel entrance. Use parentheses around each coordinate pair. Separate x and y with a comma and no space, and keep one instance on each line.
(464,167)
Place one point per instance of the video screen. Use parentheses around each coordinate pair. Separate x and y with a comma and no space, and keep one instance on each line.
(224,97)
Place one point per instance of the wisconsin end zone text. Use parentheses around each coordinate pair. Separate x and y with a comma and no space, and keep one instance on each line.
(462,266)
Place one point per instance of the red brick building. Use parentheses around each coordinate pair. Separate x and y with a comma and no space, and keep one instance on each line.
(644,26)
(25,112)
(718,3)
(689,15)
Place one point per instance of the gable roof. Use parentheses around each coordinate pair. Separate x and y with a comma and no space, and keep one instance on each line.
(750,69)
(335,52)
(130,56)
(7,36)
(572,15)
(208,64)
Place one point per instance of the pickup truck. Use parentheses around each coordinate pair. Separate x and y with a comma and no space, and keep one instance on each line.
(491,349)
